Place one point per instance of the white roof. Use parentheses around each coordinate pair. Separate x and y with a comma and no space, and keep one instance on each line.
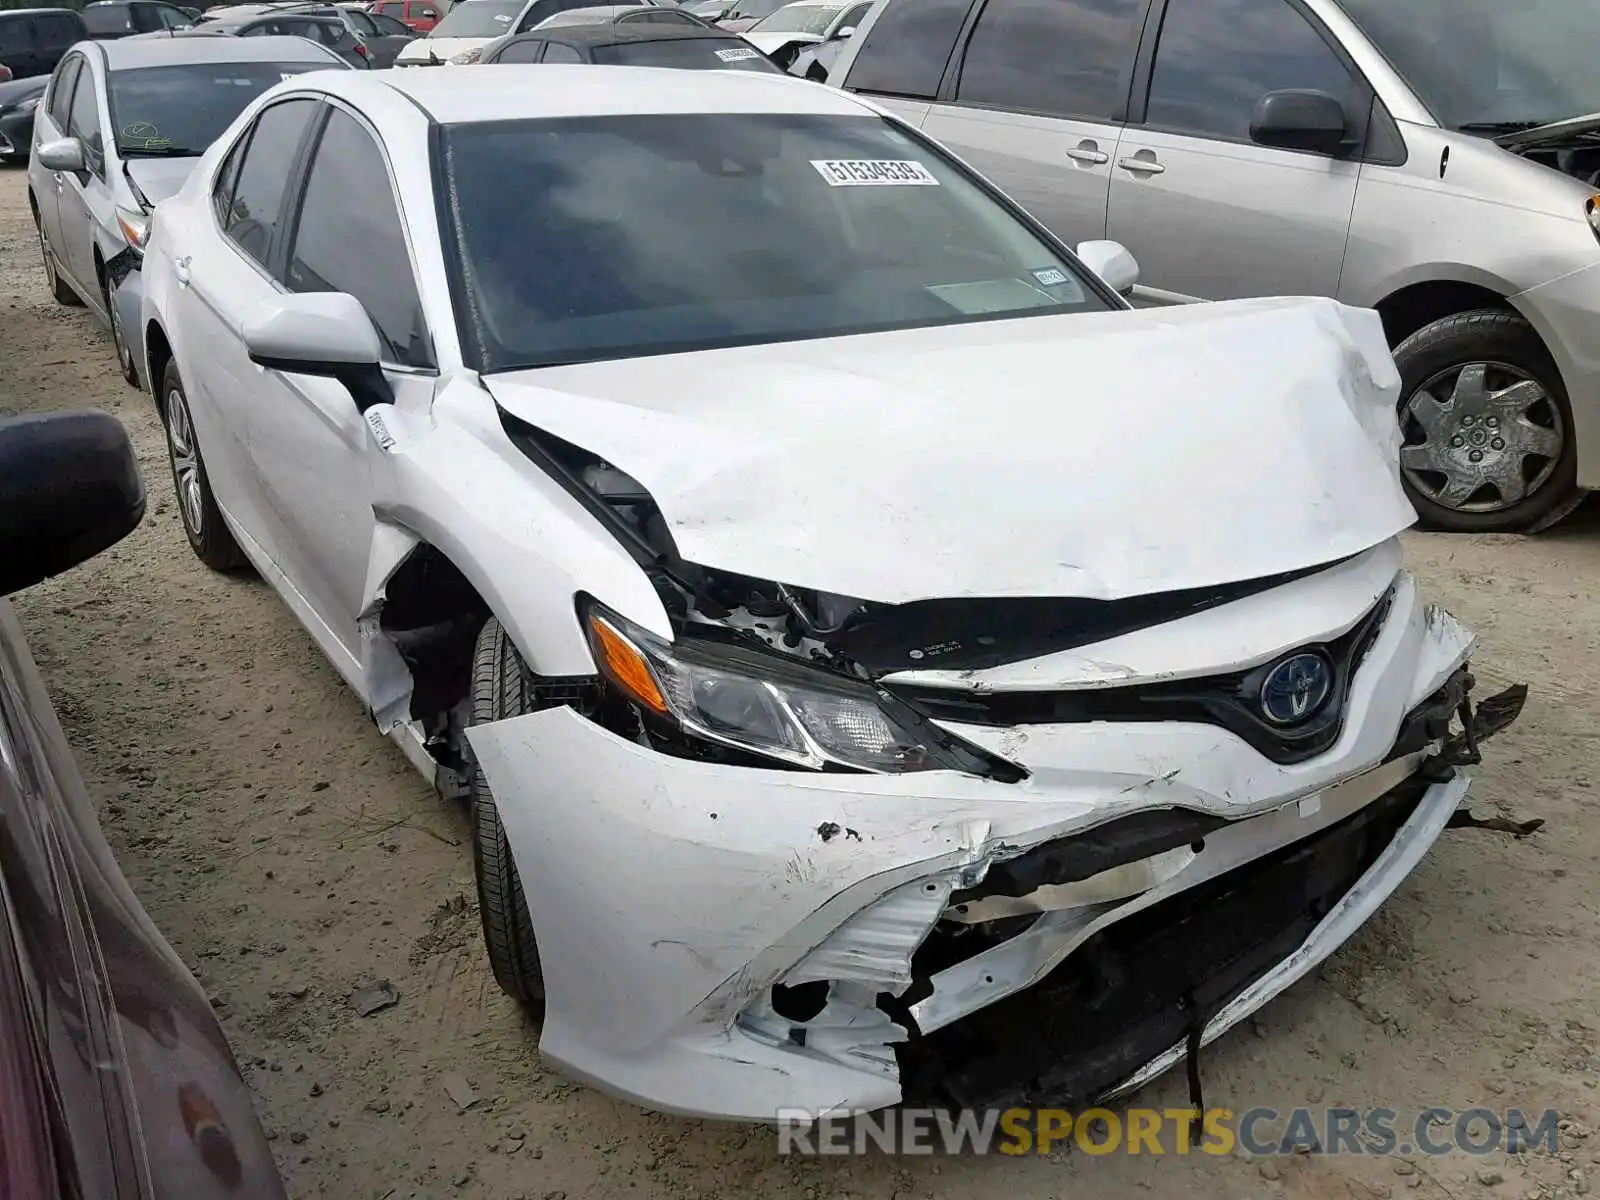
(500,92)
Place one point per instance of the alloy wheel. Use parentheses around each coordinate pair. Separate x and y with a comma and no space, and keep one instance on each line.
(185,461)
(1480,437)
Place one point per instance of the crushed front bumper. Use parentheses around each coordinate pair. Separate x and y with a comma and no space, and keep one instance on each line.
(728,942)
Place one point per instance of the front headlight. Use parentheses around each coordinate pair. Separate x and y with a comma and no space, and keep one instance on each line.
(135,227)
(467,57)
(1592,209)
(767,705)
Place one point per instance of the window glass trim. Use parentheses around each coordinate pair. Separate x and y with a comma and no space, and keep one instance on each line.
(1362,94)
(296,205)
(1123,92)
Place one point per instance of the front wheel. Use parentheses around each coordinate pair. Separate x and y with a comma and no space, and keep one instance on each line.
(500,689)
(119,339)
(209,535)
(1487,430)
(60,290)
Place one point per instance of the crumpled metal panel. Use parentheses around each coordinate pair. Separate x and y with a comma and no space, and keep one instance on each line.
(875,946)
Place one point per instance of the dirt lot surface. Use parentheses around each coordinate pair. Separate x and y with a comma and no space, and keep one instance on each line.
(293,857)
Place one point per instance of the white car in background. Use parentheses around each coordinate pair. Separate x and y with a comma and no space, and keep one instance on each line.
(851,624)
(461,37)
(805,23)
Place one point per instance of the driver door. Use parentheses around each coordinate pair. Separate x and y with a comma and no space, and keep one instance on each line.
(313,449)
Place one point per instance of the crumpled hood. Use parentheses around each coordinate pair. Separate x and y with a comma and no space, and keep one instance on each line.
(1555,131)
(1101,455)
(159,178)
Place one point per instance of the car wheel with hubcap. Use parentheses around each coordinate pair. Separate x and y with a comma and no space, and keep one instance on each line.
(1486,429)
(209,535)
(500,689)
(119,341)
(60,291)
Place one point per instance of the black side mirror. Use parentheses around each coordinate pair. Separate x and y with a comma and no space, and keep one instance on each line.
(69,488)
(1301,119)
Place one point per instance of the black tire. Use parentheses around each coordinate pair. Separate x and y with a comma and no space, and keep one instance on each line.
(1434,358)
(119,343)
(60,290)
(209,535)
(500,690)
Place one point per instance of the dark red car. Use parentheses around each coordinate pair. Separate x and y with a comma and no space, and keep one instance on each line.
(115,1080)
(421,15)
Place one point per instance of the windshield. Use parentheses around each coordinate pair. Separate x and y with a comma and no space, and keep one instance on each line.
(707,53)
(180,110)
(800,18)
(606,237)
(478,19)
(1490,64)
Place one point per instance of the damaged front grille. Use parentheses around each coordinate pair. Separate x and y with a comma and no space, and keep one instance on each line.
(1138,987)
(1232,701)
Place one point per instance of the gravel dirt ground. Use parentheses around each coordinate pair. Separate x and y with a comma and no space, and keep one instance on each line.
(293,857)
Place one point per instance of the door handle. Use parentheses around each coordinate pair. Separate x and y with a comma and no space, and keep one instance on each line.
(1142,163)
(1088,153)
(180,269)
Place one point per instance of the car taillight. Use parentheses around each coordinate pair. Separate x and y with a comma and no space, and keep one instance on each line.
(361,49)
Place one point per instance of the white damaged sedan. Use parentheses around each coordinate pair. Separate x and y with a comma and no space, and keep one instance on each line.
(881,664)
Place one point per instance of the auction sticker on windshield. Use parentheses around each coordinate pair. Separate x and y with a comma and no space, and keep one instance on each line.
(736,54)
(874,172)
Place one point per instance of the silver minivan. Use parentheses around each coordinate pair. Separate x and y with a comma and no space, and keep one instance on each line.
(1438,160)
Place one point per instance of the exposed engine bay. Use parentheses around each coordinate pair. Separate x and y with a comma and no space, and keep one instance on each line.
(1577,155)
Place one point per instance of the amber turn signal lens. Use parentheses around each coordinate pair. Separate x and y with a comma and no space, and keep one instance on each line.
(625,666)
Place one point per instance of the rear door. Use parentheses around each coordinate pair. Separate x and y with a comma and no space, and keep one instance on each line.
(1038,101)
(224,266)
(1208,213)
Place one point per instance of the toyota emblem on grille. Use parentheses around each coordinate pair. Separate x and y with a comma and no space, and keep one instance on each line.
(1296,689)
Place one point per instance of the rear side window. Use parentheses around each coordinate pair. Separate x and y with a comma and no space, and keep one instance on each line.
(520,52)
(362,23)
(1066,58)
(906,52)
(57,31)
(1216,58)
(349,238)
(555,52)
(111,18)
(15,35)
(254,218)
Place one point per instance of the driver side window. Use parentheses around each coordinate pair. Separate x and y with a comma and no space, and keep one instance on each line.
(83,122)
(254,213)
(61,91)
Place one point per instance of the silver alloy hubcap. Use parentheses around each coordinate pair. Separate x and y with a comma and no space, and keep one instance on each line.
(185,459)
(1483,426)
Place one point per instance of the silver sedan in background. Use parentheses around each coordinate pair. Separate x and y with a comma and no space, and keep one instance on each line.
(118,131)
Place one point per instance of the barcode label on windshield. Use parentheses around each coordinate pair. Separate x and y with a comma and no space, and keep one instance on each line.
(736,54)
(874,172)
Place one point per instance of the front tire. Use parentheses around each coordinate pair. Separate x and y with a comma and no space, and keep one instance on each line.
(60,291)
(1488,444)
(500,690)
(209,535)
(119,340)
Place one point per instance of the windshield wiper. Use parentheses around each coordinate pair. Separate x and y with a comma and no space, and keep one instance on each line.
(159,152)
